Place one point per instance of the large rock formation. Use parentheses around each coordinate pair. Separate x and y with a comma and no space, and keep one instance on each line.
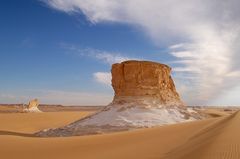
(144,82)
(32,106)
(145,96)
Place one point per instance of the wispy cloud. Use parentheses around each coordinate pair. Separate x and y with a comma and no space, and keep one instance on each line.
(210,61)
(203,36)
(101,55)
(73,98)
(6,96)
(57,97)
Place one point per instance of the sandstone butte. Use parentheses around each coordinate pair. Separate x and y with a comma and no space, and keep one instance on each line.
(145,96)
(144,83)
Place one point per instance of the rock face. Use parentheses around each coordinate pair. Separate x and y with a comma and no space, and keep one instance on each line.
(144,82)
(32,106)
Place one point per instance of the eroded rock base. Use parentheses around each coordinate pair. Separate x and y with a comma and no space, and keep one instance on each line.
(122,118)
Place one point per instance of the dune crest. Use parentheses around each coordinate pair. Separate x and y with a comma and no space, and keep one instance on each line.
(217,140)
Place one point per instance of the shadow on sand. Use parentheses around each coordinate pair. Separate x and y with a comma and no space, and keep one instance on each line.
(2,132)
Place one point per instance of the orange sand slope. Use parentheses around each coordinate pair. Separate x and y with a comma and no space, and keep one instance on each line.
(216,138)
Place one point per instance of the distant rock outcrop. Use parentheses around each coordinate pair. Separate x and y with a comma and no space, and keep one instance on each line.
(145,83)
(32,106)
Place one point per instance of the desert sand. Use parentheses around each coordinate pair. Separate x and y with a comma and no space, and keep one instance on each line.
(215,138)
(32,122)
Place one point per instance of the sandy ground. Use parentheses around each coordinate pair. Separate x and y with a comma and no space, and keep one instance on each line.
(215,138)
(33,122)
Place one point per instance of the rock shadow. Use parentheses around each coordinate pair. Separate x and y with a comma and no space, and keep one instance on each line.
(11,133)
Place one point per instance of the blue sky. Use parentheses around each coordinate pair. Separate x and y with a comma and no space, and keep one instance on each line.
(61,51)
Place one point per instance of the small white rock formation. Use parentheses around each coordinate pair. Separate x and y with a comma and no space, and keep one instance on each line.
(32,107)
(145,96)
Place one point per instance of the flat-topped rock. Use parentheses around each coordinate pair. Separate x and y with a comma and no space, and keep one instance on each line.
(144,81)
(145,96)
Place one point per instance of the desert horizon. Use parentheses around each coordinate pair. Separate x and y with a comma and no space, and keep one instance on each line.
(119,79)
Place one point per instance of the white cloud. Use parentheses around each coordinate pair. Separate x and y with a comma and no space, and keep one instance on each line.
(103,56)
(103,77)
(176,46)
(110,58)
(73,98)
(210,61)
(183,54)
(203,36)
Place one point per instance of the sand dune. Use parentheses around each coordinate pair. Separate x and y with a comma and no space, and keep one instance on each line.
(215,138)
(32,122)
(219,140)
